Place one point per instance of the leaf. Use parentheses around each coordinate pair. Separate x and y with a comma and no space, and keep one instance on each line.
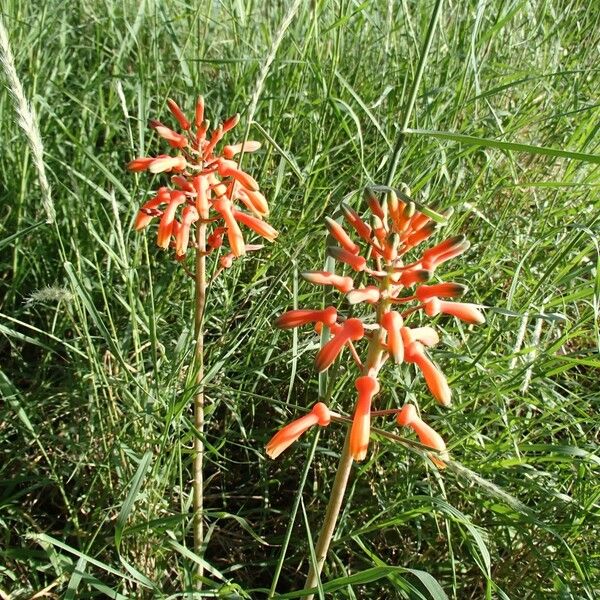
(136,484)
(471,140)
(374,574)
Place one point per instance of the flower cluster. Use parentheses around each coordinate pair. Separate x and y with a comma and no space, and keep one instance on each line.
(206,187)
(397,291)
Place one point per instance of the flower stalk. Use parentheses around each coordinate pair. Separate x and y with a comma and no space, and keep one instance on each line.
(198,466)
(199,211)
(384,253)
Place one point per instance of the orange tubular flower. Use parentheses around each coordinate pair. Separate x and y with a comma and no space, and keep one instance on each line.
(363,230)
(340,283)
(358,263)
(412,276)
(295,318)
(370,294)
(263,229)
(426,335)
(392,323)
(436,382)
(189,215)
(408,417)
(381,252)
(229,168)
(367,387)
(140,164)
(351,330)
(166,222)
(445,290)
(178,114)
(167,163)
(253,201)
(465,312)
(174,139)
(343,239)
(206,182)
(234,234)
(319,415)
(230,151)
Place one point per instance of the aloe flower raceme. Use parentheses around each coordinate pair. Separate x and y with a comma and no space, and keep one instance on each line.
(207,186)
(210,199)
(393,281)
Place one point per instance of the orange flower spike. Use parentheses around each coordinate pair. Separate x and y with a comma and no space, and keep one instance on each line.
(408,417)
(369,294)
(357,262)
(367,387)
(339,282)
(436,382)
(178,114)
(285,437)
(469,313)
(257,225)
(392,322)
(353,218)
(343,239)
(236,240)
(351,330)
(174,139)
(302,316)
(140,164)
(231,150)
(166,222)
(189,215)
(445,290)
(229,168)
(163,164)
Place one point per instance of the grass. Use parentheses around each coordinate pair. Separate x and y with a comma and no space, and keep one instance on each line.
(95,426)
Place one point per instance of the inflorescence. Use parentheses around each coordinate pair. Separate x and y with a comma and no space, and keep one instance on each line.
(396,292)
(207,184)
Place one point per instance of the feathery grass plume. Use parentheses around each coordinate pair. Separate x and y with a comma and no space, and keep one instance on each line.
(27,120)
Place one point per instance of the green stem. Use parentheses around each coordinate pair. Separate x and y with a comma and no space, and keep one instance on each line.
(373,363)
(198,480)
(331,515)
